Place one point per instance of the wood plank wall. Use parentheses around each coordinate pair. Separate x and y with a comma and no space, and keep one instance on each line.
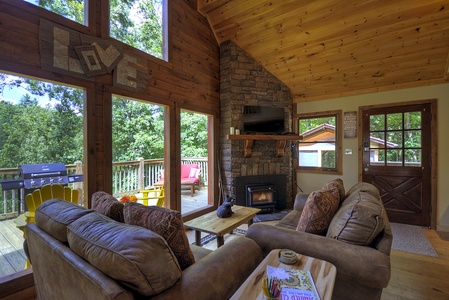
(189,80)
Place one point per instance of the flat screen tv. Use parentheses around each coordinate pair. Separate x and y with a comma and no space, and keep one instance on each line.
(263,120)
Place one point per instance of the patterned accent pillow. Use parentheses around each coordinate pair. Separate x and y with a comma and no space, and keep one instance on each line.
(338,184)
(318,211)
(165,222)
(108,205)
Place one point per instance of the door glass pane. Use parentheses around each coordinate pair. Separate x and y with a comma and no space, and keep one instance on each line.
(394,121)
(377,157)
(394,139)
(413,157)
(412,139)
(394,157)
(377,122)
(377,137)
(412,120)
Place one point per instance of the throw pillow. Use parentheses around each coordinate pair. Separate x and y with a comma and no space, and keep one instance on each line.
(194,172)
(134,256)
(360,218)
(107,205)
(53,216)
(165,222)
(318,211)
(338,184)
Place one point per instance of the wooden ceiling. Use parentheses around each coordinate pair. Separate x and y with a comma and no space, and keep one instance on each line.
(330,48)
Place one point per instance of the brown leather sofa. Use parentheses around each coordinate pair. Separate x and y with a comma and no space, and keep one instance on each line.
(357,243)
(79,253)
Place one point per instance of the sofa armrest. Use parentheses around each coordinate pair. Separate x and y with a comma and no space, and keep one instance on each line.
(219,274)
(361,264)
(291,220)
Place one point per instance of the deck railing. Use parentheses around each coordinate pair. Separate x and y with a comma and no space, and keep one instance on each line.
(127,177)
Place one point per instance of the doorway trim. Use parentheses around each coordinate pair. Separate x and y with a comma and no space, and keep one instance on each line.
(434,149)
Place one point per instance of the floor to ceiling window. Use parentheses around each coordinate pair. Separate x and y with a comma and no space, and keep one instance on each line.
(194,153)
(137,145)
(40,123)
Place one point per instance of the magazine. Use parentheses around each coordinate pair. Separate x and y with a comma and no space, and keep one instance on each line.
(296,284)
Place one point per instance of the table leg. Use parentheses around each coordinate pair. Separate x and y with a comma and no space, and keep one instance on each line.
(192,190)
(250,222)
(197,237)
(220,241)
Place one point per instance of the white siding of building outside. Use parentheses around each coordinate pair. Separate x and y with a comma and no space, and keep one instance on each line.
(309,156)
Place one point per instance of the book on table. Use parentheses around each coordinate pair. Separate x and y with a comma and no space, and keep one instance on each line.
(294,283)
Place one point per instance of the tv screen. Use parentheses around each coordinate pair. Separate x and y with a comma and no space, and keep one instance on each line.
(263,119)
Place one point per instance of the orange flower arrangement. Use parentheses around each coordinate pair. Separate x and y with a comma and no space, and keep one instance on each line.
(127,199)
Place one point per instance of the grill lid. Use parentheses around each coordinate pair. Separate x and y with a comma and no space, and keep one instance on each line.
(28,171)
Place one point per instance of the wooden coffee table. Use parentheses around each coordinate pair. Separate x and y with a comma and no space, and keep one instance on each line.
(323,274)
(212,224)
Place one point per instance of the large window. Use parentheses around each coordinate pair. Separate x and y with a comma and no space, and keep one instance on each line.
(320,148)
(71,9)
(139,23)
(137,145)
(40,122)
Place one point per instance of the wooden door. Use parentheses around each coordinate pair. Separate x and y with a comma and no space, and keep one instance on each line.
(396,143)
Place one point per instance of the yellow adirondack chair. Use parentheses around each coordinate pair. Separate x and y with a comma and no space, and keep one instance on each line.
(155,193)
(47,192)
(37,197)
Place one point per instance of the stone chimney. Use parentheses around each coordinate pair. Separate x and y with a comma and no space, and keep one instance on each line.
(243,81)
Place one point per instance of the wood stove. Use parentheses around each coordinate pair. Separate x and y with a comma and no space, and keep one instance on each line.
(261,196)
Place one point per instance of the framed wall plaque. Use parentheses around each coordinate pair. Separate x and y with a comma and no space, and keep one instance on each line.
(350,124)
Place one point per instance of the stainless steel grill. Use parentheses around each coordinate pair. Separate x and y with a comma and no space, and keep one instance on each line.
(34,176)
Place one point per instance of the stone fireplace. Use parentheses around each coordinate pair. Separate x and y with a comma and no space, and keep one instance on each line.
(243,81)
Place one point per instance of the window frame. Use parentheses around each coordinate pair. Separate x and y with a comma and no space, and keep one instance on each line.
(338,142)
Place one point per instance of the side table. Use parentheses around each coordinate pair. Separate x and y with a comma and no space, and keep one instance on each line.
(323,274)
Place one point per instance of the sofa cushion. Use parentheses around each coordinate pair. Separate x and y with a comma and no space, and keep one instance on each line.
(53,216)
(338,184)
(360,218)
(165,222)
(136,257)
(107,205)
(318,211)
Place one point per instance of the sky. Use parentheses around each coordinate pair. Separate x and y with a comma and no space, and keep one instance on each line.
(14,94)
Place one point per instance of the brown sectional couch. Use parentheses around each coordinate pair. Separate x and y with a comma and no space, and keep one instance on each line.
(79,253)
(357,242)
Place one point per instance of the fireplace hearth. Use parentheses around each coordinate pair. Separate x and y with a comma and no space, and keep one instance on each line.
(261,196)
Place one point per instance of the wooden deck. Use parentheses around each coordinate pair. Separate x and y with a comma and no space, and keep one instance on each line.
(13,258)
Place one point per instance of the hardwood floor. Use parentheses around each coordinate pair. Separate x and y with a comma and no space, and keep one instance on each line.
(413,277)
(417,276)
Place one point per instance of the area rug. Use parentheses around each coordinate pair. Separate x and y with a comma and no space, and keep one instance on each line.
(270,217)
(412,239)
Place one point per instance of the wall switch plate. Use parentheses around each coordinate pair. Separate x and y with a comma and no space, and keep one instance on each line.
(348,151)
